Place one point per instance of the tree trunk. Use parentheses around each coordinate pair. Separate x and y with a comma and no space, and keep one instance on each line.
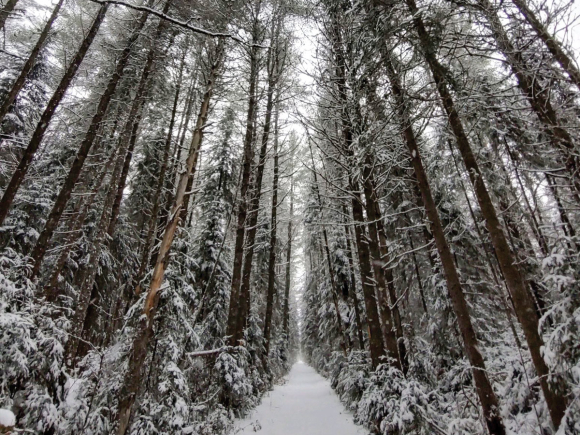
(487,397)
(565,61)
(272,253)
(538,98)
(524,306)
(355,301)
(376,345)
(244,199)
(383,275)
(21,80)
(331,272)
(132,126)
(134,374)
(47,115)
(151,224)
(389,332)
(286,312)
(254,205)
(75,169)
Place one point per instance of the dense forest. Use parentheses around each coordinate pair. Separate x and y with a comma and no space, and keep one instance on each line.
(197,193)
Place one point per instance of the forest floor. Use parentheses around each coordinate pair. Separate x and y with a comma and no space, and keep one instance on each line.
(304,405)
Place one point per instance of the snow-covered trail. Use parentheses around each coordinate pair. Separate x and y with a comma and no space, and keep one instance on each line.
(304,405)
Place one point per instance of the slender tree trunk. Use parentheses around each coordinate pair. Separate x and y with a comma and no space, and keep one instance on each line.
(75,169)
(86,276)
(355,301)
(21,80)
(6,11)
(376,345)
(331,272)
(565,61)
(134,374)
(47,115)
(244,199)
(524,306)
(254,205)
(286,312)
(272,253)
(385,275)
(569,229)
(131,132)
(487,397)
(389,332)
(418,273)
(152,222)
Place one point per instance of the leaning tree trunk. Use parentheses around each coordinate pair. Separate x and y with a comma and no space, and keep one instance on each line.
(66,190)
(487,397)
(21,80)
(138,354)
(74,231)
(100,240)
(135,119)
(555,400)
(151,224)
(538,99)
(565,61)
(47,115)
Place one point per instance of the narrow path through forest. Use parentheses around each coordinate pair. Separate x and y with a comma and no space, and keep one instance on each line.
(304,405)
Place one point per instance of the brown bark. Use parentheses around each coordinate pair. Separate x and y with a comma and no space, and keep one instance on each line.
(134,374)
(376,345)
(389,333)
(21,80)
(46,117)
(84,149)
(523,304)
(488,400)
(381,260)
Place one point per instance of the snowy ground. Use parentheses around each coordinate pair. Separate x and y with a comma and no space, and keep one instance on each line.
(304,405)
